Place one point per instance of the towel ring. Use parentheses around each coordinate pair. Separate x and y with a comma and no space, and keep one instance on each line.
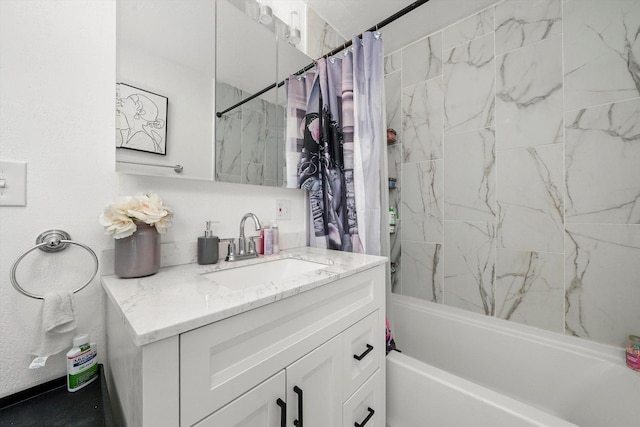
(51,241)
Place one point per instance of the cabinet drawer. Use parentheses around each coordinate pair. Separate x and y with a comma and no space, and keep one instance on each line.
(367,406)
(361,345)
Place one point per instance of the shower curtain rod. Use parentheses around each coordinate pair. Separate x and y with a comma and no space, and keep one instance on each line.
(337,50)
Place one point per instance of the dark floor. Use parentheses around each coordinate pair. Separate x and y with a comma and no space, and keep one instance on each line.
(51,405)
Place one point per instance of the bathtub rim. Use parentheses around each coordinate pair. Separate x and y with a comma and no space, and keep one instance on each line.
(576,345)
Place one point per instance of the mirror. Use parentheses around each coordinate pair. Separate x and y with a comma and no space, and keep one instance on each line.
(249,58)
(165,51)
(181,61)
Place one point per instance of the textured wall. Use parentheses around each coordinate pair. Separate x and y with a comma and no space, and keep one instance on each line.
(57,81)
(518,164)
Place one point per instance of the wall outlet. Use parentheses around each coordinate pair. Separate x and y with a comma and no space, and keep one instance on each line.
(283,209)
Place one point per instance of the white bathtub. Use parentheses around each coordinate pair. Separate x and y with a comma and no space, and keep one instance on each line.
(459,368)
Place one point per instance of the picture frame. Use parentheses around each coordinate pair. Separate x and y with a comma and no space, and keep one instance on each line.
(141,120)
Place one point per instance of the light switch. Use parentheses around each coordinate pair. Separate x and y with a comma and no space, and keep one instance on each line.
(13,183)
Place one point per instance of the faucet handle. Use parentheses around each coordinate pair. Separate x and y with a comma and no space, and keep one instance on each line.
(231,249)
(252,245)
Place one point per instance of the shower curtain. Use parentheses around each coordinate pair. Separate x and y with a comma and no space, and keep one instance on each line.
(334,137)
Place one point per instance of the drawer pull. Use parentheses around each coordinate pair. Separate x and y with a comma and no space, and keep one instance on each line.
(360,357)
(366,420)
(298,391)
(283,412)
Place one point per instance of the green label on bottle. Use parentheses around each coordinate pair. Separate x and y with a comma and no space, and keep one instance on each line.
(84,377)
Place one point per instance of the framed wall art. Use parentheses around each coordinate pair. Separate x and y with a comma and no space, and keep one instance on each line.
(141,120)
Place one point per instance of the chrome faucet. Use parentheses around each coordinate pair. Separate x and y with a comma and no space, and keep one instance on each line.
(243,253)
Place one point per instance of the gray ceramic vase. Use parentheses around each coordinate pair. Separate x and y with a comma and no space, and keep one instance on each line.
(139,254)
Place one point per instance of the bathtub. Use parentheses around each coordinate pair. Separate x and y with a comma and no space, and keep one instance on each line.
(459,368)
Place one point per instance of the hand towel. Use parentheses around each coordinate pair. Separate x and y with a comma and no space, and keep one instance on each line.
(58,324)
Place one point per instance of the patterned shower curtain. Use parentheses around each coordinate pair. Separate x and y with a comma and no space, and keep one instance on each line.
(331,144)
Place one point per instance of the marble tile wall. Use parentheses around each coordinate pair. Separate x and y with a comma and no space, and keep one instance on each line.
(248,139)
(518,165)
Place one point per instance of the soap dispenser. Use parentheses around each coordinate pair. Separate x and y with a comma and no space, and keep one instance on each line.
(208,246)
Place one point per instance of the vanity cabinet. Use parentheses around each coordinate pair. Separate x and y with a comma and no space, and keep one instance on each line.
(322,348)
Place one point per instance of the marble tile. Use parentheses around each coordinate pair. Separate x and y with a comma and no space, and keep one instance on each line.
(422,60)
(469,86)
(469,266)
(321,37)
(236,179)
(422,270)
(602,161)
(226,96)
(255,104)
(529,95)
(273,157)
(468,29)
(422,121)
(394,164)
(396,276)
(530,198)
(529,288)
(274,116)
(228,145)
(393,102)
(254,135)
(601,279)
(421,212)
(396,263)
(522,22)
(601,39)
(394,167)
(393,62)
(470,176)
(253,173)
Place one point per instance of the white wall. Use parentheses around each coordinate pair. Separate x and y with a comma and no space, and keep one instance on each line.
(57,77)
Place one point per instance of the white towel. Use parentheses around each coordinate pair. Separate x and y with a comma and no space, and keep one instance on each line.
(58,324)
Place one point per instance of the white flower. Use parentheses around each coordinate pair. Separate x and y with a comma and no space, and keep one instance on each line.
(119,217)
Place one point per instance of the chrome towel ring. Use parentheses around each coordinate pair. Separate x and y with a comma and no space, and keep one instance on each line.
(51,241)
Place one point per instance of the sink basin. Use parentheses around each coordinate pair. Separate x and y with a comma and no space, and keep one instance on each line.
(256,274)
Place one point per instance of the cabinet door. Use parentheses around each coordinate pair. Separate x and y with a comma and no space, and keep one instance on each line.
(366,408)
(314,392)
(258,407)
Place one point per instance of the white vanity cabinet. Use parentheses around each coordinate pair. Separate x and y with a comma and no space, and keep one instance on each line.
(322,348)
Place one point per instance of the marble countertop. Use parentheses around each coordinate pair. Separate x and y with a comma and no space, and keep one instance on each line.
(179,298)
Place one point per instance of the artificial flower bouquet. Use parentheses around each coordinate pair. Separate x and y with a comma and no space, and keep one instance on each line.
(119,218)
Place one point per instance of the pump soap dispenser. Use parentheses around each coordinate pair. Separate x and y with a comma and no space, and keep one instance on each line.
(208,246)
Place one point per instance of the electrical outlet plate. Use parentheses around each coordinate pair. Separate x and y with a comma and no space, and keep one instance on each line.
(13,183)
(283,209)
